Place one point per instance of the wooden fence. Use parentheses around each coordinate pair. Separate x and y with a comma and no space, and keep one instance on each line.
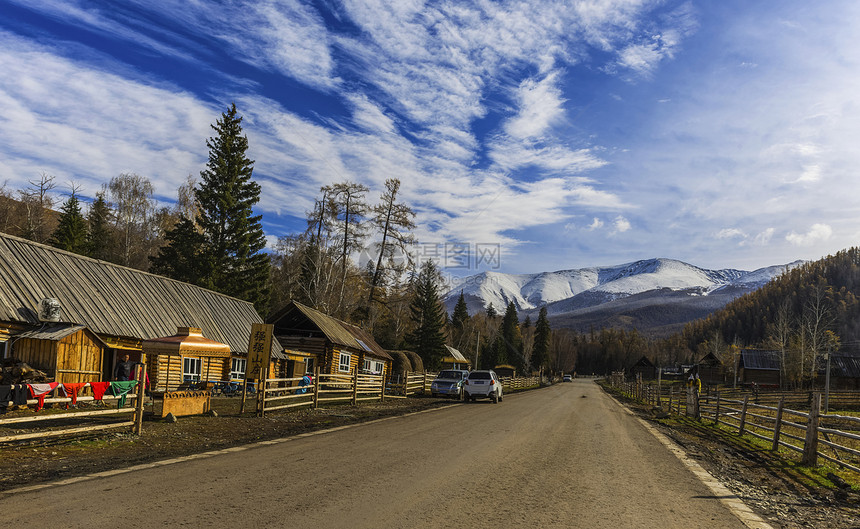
(73,422)
(284,393)
(806,432)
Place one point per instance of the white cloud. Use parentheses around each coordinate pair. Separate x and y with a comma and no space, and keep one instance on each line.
(817,233)
(620,225)
(540,105)
(595,224)
(731,233)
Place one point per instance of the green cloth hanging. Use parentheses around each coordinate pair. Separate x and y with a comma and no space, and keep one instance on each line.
(121,389)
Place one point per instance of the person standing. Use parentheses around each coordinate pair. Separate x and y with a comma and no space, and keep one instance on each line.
(123,368)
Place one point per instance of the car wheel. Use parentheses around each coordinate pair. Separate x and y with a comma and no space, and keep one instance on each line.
(495,398)
(500,397)
(434,395)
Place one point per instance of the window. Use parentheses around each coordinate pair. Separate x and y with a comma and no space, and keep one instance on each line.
(237,368)
(373,367)
(344,362)
(3,349)
(309,366)
(192,368)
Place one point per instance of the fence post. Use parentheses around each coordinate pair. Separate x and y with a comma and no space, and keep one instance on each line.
(355,387)
(424,383)
(406,383)
(316,387)
(261,391)
(141,390)
(778,424)
(743,415)
(717,410)
(810,447)
(382,391)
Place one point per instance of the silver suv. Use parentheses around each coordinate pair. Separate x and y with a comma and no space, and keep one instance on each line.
(483,384)
(449,382)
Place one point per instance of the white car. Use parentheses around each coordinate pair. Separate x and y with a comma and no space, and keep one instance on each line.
(482,384)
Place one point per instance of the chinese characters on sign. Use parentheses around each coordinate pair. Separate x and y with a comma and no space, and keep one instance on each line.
(259,349)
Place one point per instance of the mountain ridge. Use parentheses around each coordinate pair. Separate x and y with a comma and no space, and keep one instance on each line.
(583,291)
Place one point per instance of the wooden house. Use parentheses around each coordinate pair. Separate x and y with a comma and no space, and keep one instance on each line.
(314,339)
(711,370)
(844,372)
(759,366)
(105,310)
(646,368)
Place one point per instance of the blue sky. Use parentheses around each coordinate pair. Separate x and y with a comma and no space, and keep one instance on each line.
(567,134)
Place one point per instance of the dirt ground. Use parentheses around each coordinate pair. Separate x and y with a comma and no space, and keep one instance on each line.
(784,493)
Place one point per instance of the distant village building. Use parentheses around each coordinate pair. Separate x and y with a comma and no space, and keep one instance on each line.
(759,366)
(644,367)
(712,372)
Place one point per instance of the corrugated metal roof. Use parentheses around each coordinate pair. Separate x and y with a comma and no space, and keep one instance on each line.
(336,331)
(114,300)
(52,331)
(845,366)
(760,359)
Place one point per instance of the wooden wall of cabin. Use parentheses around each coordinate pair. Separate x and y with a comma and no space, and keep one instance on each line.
(39,354)
(165,370)
(79,359)
(331,363)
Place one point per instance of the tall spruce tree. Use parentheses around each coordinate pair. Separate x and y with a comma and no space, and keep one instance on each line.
(428,338)
(100,234)
(71,232)
(395,222)
(461,313)
(183,257)
(233,235)
(512,338)
(543,334)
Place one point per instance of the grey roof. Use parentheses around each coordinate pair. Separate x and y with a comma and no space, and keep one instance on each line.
(844,366)
(115,300)
(52,331)
(760,359)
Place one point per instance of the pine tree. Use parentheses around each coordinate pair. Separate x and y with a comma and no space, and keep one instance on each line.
(512,338)
(428,338)
(491,311)
(543,334)
(183,257)
(233,235)
(461,313)
(71,232)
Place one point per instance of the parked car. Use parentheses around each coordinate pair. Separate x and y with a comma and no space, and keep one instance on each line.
(482,384)
(567,378)
(449,383)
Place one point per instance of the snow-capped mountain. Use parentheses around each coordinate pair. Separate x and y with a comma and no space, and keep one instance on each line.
(568,291)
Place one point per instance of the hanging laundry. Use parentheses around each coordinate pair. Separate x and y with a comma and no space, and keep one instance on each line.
(39,391)
(19,394)
(121,389)
(99,389)
(5,397)
(71,391)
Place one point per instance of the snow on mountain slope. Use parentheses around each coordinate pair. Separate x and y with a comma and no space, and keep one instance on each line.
(599,284)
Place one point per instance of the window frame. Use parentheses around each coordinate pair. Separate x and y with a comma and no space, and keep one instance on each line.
(189,375)
(238,374)
(340,364)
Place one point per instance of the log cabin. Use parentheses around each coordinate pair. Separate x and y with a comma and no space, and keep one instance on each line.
(759,366)
(314,339)
(104,310)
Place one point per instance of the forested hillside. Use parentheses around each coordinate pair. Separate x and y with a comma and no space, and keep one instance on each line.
(806,312)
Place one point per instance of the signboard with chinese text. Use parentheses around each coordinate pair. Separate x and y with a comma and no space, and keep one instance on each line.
(259,350)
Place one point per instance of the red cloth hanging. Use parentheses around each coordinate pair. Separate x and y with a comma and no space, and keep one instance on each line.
(38,391)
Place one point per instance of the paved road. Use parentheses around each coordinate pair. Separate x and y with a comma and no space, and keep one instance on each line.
(565,456)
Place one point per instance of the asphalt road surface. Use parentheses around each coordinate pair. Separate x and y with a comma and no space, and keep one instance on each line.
(564,456)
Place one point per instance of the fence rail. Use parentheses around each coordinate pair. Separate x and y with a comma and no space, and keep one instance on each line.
(82,420)
(766,416)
